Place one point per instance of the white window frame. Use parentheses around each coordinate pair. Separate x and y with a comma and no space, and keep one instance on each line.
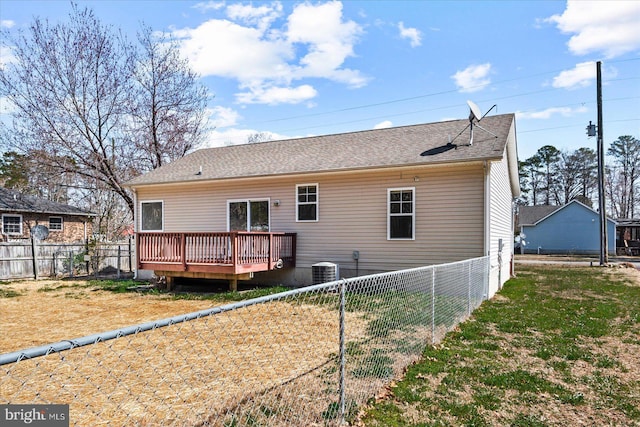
(413,213)
(20,224)
(61,224)
(316,203)
(142,202)
(248,201)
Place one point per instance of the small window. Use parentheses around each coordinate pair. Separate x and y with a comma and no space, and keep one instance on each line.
(12,224)
(401,214)
(55,223)
(307,202)
(151,216)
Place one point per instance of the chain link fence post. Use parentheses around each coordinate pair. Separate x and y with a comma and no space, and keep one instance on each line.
(343,361)
(433,305)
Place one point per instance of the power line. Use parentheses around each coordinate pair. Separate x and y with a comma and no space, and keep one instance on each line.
(428,95)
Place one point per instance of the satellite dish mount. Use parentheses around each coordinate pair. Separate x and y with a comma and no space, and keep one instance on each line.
(475,115)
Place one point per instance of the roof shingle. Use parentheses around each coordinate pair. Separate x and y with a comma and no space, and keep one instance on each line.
(14,201)
(406,145)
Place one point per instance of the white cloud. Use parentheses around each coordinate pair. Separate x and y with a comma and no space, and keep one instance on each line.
(221,117)
(6,56)
(7,23)
(549,112)
(206,6)
(6,106)
(383,125)
(266,58)
(221,48)
(610,27)
(473,78)
(277,95)
(413,34)
(262,16)
(328,39)
(580,76)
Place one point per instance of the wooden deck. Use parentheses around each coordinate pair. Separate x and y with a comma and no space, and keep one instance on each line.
(215,255)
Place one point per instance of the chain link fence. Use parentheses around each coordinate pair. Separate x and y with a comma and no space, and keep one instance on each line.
(307,357)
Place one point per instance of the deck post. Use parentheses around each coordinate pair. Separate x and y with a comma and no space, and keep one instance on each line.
(270,255)
(233,284)
(183,250)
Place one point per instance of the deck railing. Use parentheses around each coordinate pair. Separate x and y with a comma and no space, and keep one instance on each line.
(231,252)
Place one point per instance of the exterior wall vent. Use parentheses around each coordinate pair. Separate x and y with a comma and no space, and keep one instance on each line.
(324,272)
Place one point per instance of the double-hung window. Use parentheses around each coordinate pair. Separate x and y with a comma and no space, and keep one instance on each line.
(12,224)
(401,217)
(307,202)
(152,216)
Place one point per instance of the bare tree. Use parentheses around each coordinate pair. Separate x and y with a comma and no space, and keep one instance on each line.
(168,110)
(567,187)
(92,106)
(623,176)
(259,137)
(549,157)
(586,160)
(69,87)
(530,177)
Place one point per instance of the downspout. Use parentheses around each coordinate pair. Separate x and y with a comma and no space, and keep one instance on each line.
(487,223)
(135,229)
(487,208)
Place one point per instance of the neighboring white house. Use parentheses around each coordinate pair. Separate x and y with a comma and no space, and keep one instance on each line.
(368,201)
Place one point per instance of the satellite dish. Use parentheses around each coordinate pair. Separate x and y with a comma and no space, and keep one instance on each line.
(475,115)
(40,232)
(474,111)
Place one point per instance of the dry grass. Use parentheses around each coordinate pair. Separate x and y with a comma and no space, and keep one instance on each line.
(48,311)
(214,369)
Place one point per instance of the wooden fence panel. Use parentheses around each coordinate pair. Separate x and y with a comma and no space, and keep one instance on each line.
(64,260)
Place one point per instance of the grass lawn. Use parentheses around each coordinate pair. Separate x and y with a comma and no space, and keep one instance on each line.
(558,346)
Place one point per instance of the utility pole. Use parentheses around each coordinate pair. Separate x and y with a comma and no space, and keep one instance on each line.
(604,255)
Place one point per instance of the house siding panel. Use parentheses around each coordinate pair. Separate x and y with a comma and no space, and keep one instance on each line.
(449,215)
(573,229)
(500,224)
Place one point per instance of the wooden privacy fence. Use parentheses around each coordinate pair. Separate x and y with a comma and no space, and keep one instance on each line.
(31,259)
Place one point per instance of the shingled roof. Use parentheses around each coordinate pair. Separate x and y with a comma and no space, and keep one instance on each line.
(15,201)
(529,215)
(380,148)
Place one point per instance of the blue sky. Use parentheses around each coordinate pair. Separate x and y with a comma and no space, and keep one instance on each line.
(294,68)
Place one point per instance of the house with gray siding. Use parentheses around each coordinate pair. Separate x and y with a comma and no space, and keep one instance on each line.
(368,202)
(570,229)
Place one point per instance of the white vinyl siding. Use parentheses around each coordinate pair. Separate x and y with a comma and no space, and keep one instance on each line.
(449,214)
(501,221)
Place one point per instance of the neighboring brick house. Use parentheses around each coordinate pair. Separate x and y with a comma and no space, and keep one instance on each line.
(20,212)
